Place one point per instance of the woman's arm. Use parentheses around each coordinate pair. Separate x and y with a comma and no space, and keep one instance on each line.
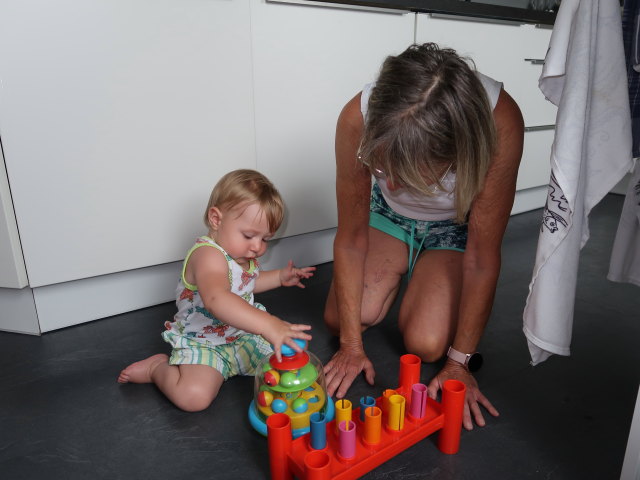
(481,263)
(353,189)
(487,223)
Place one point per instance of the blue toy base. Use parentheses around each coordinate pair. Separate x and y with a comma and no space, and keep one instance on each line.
(261,427)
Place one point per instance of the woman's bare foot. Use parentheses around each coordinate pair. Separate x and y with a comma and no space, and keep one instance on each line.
(140,372)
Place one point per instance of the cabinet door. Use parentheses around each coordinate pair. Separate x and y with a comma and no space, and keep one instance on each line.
(509,53)
(308,62)
(12,271)
(117,117)
(535,166)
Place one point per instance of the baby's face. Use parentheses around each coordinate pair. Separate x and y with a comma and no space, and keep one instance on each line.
(244,233)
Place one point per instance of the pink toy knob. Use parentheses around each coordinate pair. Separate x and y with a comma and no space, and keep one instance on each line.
(418,400)
(347,440)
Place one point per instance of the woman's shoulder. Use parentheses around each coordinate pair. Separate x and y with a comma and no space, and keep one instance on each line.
(351,116)
(508,116)
(364,97)
(491,86)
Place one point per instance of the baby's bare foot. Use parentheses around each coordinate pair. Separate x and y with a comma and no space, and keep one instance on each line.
(140,372)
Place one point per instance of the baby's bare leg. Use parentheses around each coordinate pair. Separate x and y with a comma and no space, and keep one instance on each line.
(190,387)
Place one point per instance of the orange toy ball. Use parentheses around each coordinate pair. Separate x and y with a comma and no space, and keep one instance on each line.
(272,378)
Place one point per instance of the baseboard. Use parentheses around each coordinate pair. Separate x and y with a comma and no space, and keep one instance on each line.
(71,303)
(18,313)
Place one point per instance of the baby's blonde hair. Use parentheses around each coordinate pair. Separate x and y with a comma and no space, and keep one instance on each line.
(429,110)
(244,187)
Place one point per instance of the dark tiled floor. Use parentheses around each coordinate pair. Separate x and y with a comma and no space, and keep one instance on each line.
(63,416)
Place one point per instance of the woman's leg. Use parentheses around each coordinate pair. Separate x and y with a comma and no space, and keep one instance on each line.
(190,387)
(429,311)
(385,263)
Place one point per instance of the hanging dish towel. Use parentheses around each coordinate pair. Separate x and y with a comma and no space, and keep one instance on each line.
(625,256)
(585,76)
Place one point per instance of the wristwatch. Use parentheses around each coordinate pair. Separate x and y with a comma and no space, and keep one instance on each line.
(472,361)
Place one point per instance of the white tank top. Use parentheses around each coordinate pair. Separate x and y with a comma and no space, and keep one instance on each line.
(441,206)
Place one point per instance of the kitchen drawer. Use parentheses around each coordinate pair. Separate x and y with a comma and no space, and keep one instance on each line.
(510,53)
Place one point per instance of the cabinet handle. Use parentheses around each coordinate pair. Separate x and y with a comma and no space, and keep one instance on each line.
(538,128)
(465,18)
(343,6)
(535,61)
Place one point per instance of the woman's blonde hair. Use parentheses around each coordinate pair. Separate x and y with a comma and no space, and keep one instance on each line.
(429,110)
(244,187)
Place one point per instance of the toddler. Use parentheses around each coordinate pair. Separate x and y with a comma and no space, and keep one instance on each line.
(219,331)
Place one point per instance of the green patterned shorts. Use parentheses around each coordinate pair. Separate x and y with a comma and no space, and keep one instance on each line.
(240,357)
(419,234)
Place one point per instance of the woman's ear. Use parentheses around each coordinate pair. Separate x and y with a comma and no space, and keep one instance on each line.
(215,218)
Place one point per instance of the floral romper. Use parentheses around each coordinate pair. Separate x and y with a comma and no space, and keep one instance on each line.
(198,338)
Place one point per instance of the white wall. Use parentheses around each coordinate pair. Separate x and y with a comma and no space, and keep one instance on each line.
(118,117)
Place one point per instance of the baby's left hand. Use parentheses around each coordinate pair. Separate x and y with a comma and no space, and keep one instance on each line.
(291,276)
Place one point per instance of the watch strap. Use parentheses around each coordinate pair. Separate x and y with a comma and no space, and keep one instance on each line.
(462,358)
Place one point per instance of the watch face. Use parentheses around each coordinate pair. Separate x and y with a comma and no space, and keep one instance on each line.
(475,362)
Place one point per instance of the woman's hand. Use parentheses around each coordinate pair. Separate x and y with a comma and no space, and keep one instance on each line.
(473,397)
(278,332)
(291,276)
(344,367)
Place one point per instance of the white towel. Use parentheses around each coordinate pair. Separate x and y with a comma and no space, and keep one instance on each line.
(585,76)
(625,256)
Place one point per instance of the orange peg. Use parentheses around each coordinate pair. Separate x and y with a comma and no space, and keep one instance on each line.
(372,425)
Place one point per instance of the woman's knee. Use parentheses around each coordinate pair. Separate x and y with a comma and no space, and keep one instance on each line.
(370,315)
(373,313)
(429,348)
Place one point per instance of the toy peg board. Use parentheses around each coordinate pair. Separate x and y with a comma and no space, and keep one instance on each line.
(367,457)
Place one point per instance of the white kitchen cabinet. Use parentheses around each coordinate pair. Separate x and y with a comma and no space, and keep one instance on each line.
(510,53)
(116,119)
(535,166)
(12,271)
(513,54)
(308,62)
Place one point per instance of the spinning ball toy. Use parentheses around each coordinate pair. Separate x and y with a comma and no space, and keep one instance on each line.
(294,386)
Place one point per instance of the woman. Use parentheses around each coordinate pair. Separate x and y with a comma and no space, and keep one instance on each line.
(442,144)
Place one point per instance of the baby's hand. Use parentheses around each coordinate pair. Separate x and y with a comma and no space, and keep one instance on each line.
(290,275)
(278,332)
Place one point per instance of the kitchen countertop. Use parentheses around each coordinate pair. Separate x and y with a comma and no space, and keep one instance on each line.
(482,11)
